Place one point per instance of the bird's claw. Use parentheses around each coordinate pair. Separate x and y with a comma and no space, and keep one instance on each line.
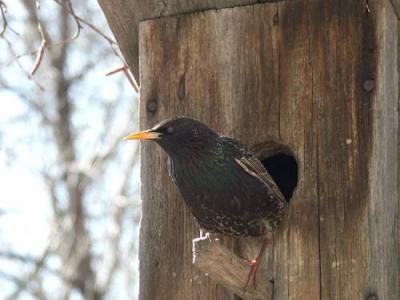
(203,236)
(250,262)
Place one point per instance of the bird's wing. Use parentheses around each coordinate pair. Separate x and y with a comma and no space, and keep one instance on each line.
(253,166)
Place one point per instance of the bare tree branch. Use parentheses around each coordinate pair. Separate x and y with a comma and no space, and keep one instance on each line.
(10,277)
(27,74)
(22,285)
(119,211)
(33,103)
(112,43)
(30,260)
(83,21)
(51,186)
(46,45)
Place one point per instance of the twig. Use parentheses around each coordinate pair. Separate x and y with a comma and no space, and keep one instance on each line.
(51,186)
(40,54)
(119,211)
(112,43)
(10,277)
(112,72)
(27,74)
(131,80)
(33,290)
(79,19)
(97,162)
(46,45)
(128,75)
(28,260)
(3,7)
(77,22)
(24,283)
(37,106)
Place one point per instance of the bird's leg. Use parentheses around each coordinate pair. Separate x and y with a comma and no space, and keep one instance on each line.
(255,263)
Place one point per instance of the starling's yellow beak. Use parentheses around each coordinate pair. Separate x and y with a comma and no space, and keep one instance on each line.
(143,135)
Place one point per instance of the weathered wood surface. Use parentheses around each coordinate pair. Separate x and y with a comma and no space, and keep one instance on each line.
(396,7)
(124,17)
(318,76)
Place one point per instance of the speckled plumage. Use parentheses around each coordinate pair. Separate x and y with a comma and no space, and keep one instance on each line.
(225,186)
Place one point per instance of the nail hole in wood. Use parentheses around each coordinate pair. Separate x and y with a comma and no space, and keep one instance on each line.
(152,105)
(281,164)
(372,296)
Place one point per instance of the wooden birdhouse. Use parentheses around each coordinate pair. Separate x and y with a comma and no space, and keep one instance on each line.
(312,87)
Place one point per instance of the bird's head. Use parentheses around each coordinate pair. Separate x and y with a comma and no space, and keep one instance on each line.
(178,136)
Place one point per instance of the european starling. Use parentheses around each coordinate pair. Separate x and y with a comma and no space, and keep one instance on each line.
(226,187)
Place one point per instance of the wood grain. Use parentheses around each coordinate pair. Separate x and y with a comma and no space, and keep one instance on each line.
(124,16)
(383,206)
(318,76)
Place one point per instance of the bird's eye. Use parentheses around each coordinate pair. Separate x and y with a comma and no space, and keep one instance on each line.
(170,129)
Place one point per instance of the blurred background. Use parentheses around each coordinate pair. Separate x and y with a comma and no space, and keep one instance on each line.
(69,188)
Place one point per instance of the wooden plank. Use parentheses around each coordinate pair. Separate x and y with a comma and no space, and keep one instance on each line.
(298,271)
(192,51)
(396,7)
(318,76)
(328,133)
(398,142)
(384,205)
(124,16)
(343,149)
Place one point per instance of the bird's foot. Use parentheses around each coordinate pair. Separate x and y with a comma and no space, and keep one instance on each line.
(202,237)
(250,262)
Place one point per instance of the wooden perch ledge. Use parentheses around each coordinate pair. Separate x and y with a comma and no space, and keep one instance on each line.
(229,270)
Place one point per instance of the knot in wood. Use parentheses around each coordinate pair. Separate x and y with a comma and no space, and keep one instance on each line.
(369,85)
(151,106)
